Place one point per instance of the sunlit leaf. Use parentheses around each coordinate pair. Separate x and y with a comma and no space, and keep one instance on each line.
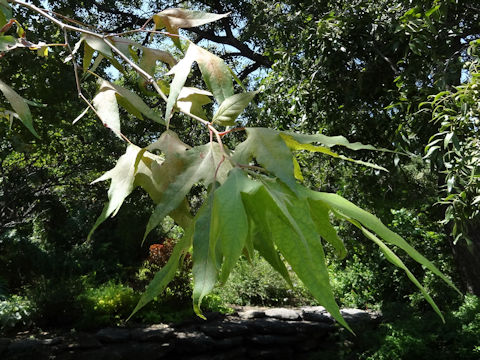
(174,19)
(295,145)
(229,220)
(105,103)
(216,74)
(181,71)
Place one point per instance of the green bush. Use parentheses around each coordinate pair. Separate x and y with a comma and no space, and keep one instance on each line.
(15,312)
(256,283)
(108,304)
(406,333)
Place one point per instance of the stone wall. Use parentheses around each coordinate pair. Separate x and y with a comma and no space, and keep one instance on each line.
(250,333)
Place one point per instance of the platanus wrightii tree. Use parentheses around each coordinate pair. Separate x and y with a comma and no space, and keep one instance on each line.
(255,198)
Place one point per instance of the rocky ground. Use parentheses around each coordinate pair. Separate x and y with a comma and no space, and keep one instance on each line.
(249,333)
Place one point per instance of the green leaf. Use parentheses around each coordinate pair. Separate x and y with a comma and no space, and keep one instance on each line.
(136,167)
(371,222)
(107,100)
(395,260)
(87,56)
(321,217)
(191,100)
(232,107)
(201,164)
(204,258)
(270,151)
(7,42)
(5,11)
(229,219)
(295,145)
(216,74)
(98,44)
(181,71)
(330,141)
(148,61)
(260,234)
(20,106)
(293,231)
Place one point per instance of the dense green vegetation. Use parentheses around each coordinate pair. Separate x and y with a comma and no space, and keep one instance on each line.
(398,75)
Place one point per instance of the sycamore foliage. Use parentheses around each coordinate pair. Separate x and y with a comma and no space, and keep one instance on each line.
(255,199)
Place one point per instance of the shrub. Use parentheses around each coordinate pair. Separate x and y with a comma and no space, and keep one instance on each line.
(256,283)
(15,312)
(107,304)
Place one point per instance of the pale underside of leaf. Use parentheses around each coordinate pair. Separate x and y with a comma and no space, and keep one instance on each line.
(181,71)
(191,100)
(105,103)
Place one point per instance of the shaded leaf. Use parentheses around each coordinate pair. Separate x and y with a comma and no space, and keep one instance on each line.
(269,149)
(229,219)
(191,100)
(166,273)
(200,164)
(20,106)
(204,268)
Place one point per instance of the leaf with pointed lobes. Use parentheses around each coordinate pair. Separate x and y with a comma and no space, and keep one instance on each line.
(232,107)
(204,164)
(269,150)
(181,71)
(20,106)
(110,96)
(216,74)
(123,180)
(371,222)
(287,219)
(395,260)
(191,100)
(293,144)
(229,225)
(148,62)
(174,19)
